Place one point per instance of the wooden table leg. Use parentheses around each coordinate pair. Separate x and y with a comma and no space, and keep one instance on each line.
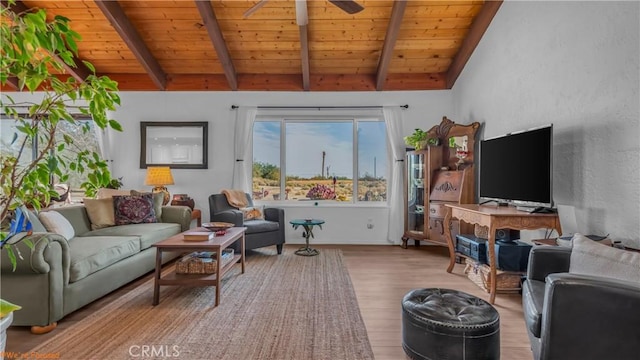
(447,233)
(218,275)
(156,278)
(242,252)
(492,263)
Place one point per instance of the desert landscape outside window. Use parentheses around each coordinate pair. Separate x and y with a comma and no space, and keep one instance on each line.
(319,158)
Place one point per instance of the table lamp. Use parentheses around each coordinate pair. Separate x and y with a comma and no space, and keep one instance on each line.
(159,177)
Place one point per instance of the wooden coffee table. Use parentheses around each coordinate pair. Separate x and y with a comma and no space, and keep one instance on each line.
(217,244)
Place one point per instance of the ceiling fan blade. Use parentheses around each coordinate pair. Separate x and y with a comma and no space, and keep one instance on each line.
(348,6)
(254,8)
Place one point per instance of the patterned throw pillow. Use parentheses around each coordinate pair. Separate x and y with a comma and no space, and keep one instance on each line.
(253,213)
(134,209)
(158,198)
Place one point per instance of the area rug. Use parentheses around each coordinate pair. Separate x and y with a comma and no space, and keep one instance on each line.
(282,307)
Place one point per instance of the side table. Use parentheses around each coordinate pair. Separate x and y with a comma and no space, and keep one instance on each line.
(196,214)
(308,225)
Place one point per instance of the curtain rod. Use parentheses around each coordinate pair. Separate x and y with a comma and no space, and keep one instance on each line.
(405,106)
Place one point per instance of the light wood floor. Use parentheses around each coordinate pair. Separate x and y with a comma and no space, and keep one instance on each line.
(381,276)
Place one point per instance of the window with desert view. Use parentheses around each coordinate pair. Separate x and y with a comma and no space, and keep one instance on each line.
(319,159)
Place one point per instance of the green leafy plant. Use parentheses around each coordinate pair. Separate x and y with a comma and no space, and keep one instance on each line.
(416,138)
(420,138)
(33,49)
(100,178)
(433,141)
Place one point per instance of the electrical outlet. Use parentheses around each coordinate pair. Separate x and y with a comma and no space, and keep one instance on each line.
(370,224)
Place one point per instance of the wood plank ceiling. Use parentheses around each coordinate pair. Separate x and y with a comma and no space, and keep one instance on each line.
(211,45)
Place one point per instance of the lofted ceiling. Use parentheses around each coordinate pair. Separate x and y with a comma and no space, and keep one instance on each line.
(213,45)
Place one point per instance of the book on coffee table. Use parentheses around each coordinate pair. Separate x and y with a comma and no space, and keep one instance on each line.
(198,235)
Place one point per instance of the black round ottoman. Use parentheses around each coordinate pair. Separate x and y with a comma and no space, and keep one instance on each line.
(439,324)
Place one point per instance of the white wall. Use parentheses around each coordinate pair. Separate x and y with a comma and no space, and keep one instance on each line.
(343,224)
(573,64)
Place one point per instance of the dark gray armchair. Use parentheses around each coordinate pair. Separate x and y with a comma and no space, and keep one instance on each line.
(260,233)
(571,316)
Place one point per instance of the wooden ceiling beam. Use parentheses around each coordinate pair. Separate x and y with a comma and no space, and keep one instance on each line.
(476,31)
(397,13)
(215,34)
(79,71)
(123,26)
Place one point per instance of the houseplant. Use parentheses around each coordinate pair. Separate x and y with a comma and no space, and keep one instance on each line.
(33,48)
(420,139)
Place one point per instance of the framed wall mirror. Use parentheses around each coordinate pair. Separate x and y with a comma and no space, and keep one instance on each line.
(179,145)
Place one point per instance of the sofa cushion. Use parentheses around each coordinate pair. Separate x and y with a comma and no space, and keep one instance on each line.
(91,254)
(591,258)
(147,234)
(134,209)
(158,199)
(259,226)
(533,300)
(54,222)
(100,212)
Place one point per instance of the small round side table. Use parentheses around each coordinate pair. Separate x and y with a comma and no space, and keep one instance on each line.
(308,225)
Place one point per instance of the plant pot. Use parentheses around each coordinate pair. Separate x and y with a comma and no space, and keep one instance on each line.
(422,144)
(4,325)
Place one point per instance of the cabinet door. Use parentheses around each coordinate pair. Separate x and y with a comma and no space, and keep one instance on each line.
(415,223)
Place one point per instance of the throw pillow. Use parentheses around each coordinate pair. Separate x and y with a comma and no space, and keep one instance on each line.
(134,209)
(36,224)
(54,222)
(158,199)
(590,258)
(253,213)
(101,213)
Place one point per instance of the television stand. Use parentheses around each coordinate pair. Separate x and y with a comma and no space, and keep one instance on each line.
(494,217)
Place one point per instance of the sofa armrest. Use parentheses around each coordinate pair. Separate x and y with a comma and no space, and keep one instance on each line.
(178,215)
(231,216)
(590,317)
(38,260)
(545,260)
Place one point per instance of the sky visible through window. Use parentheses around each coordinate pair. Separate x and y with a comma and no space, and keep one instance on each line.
(306,142)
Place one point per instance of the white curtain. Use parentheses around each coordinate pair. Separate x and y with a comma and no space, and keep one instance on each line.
(395,190)
(245,117)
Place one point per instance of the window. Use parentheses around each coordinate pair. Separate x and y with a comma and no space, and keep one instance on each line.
(316,159)
(84,138)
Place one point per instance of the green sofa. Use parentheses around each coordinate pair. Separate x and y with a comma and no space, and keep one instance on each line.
(62,275)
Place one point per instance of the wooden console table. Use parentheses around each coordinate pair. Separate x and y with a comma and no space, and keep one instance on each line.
(494,217)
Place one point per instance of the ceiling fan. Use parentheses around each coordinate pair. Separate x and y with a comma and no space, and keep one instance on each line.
(348,6)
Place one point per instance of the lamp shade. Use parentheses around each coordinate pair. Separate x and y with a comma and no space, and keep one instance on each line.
(159,176)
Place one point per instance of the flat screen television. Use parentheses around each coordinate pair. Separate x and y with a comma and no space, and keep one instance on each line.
(517,169)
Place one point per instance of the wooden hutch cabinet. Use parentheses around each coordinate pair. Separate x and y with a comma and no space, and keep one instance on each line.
(438,175)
